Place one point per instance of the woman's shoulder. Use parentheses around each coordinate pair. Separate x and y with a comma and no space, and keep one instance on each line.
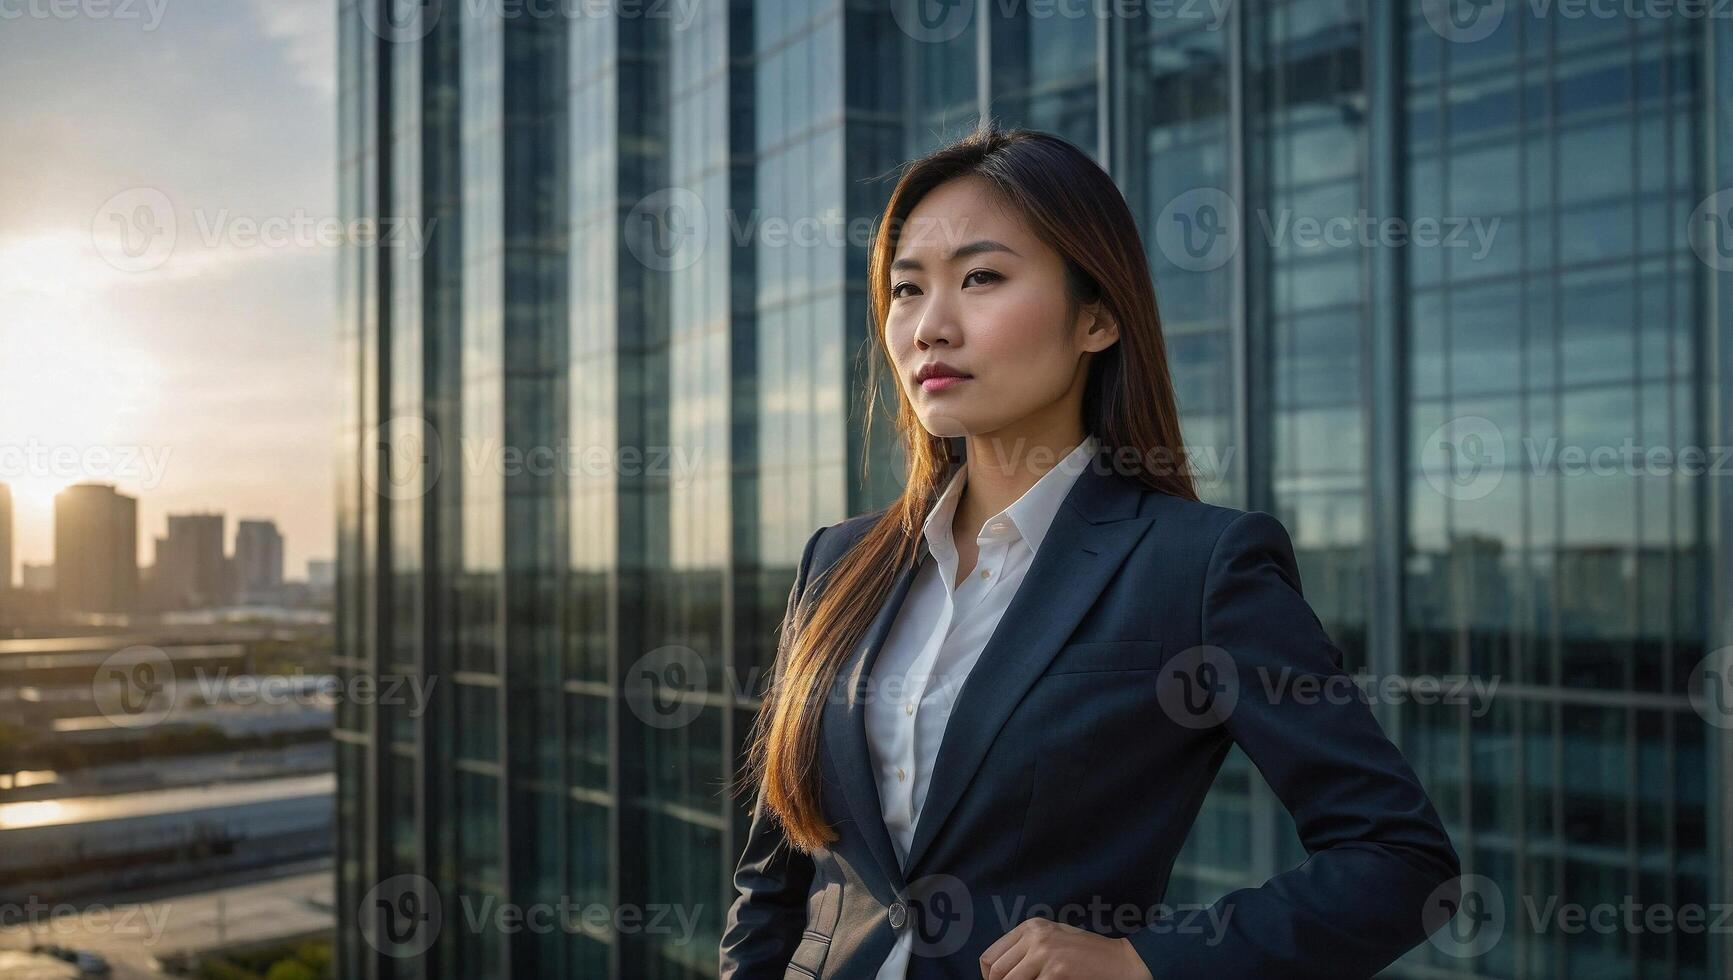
(1225,540)
(1208,521)
(832,540)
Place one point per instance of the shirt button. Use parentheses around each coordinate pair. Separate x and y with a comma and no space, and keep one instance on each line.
(900,774)
(985,573)
(909,708)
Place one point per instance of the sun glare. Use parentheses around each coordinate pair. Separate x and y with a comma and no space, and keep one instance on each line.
(70,376)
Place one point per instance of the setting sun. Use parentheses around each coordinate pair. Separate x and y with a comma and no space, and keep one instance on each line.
(70,379)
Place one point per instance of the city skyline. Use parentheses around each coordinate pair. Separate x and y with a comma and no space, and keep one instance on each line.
(254,550)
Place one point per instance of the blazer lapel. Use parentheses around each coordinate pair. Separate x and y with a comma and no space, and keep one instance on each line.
(1090,537)
(1092,533)
(845,729)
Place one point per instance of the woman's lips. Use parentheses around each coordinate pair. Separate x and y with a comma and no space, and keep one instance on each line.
(942,382)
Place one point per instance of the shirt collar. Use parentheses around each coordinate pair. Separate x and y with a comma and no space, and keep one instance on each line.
(1030,515)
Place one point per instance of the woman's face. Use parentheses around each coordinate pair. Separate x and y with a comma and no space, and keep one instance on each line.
(973,287)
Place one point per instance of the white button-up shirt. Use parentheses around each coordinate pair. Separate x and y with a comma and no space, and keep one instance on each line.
(936,639)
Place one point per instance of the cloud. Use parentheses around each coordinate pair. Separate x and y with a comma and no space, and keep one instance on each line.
(308,34)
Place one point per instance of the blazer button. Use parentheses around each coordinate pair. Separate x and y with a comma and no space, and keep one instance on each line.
(898,914)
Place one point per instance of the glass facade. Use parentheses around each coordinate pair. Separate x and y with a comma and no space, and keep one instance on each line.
(587,430)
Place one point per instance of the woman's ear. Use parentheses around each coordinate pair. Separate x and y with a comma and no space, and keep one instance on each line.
(1101,329)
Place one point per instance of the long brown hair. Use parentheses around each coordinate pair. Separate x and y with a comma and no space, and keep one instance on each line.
(1073,205)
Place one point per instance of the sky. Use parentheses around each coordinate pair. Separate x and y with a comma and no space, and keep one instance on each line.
(167,301)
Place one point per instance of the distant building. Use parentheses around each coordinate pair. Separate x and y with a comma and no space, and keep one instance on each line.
(36,578)
(191,568)
(258,564)
(5,537)
(321,573)
(96,548)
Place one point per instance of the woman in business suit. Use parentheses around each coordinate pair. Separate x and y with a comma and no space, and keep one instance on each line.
(998,702)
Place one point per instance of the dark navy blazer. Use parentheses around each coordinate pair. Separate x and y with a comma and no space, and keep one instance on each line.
(1071,773)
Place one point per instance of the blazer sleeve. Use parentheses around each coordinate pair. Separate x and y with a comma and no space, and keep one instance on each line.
(1378,856)
(772,879)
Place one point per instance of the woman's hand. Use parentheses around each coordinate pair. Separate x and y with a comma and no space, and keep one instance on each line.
(1043,948)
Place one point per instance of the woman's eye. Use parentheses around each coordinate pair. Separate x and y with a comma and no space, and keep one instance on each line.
(988,274)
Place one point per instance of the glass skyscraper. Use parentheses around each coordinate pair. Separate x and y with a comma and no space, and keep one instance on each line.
(1416,262)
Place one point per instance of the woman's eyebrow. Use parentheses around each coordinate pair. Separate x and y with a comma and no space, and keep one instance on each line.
(962,251)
